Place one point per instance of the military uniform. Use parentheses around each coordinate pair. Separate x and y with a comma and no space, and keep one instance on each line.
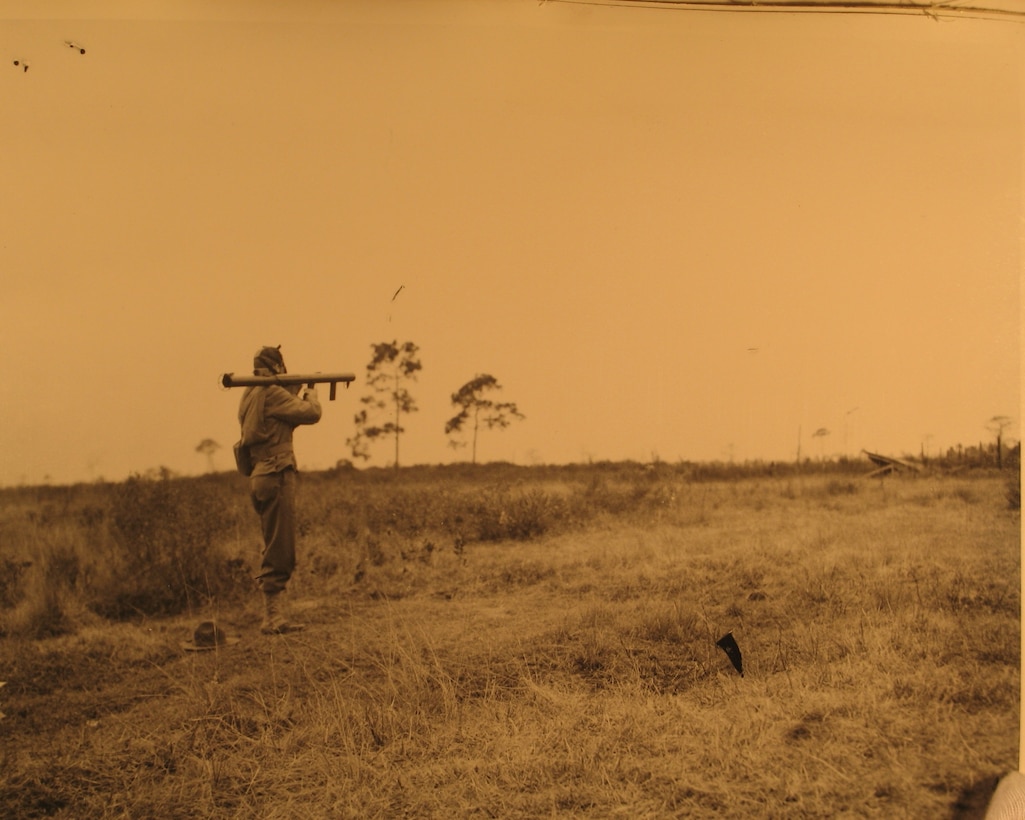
(268,415)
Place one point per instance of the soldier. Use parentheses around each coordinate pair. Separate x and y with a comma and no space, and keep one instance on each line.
(268,416)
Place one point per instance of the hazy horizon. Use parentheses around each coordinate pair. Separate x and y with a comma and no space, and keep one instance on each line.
(673,234)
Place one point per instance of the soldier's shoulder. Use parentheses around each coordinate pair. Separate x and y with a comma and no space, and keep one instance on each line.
(275,392)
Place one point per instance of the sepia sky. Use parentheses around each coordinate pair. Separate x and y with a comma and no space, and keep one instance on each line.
(682,234)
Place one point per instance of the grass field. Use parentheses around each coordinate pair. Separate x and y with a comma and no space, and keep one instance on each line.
(517,644)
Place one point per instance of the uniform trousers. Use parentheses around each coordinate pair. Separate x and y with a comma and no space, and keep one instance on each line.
(273,498)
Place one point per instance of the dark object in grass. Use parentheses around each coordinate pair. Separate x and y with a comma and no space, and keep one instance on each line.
(728,644)
(208,635)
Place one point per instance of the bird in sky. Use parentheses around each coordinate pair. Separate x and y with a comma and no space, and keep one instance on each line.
(397,292)
(23,64)
(73,44)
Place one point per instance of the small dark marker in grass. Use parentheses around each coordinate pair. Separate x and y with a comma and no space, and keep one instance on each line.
(728,644)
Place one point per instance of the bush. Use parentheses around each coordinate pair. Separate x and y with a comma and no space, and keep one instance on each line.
(11,572)
(498,514)
(531,514)
(164,557)
(49,603)
(837,487)
(1014,479)
(1014,491)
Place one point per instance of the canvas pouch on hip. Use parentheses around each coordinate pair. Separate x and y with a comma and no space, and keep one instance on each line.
(243,458)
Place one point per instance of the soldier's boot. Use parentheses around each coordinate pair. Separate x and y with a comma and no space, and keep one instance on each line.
(274,622)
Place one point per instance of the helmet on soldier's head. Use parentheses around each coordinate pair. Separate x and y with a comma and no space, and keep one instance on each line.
(269,358)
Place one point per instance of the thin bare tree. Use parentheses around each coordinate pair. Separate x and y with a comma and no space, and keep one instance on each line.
(997,425)
(391,367)
(208,447)
(482,411)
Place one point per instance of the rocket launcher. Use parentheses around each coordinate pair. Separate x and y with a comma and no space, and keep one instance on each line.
(287,379)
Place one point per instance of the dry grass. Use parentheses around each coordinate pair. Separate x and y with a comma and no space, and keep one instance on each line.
(574,674)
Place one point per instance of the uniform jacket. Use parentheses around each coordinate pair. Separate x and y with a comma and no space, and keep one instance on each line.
(268,416)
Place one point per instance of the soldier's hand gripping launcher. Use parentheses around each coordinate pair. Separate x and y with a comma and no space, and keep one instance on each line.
(286,379)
